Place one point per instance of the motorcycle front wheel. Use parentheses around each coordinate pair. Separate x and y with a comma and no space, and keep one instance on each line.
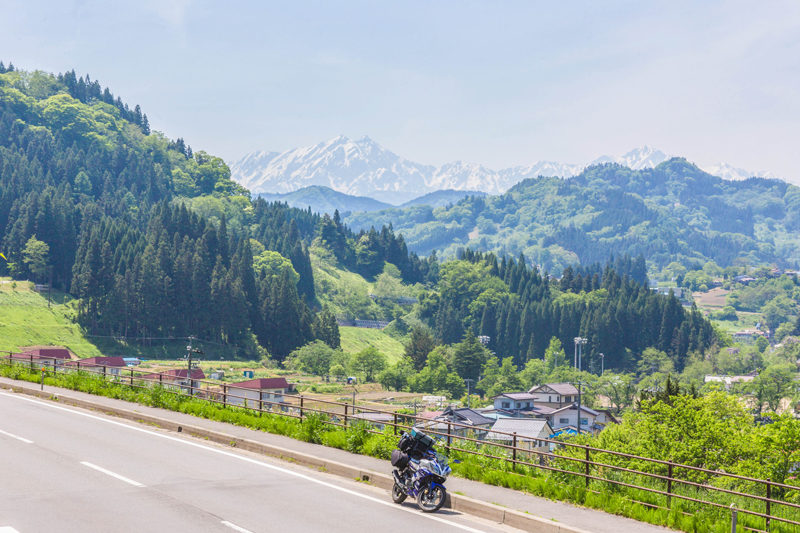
(431,498)
(398,494)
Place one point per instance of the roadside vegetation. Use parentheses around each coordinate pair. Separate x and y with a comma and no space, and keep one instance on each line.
(774,447)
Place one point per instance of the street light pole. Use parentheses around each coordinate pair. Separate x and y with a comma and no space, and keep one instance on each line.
(579,342)
(602,362)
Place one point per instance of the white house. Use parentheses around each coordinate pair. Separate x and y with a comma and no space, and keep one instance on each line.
(253,392)
(555,395)
(568,416)
(514,401)
(529,432)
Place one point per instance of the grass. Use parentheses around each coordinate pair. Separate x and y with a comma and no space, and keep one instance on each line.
(359,438)
(356,339)
(26,320)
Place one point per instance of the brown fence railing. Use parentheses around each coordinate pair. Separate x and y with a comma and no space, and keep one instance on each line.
(673,481)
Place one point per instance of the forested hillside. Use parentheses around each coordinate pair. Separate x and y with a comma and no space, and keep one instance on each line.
(673,212)
(520,310)
(154,239)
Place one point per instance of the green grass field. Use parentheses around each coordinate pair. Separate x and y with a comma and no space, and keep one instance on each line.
(356,339)
(25,320)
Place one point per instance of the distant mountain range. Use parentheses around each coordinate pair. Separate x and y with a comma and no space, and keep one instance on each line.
(325,200)
(673,212)
(363,167)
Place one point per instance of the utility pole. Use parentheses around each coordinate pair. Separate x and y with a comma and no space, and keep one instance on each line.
(189,352)
(579,407)
(602,362)
(469,382)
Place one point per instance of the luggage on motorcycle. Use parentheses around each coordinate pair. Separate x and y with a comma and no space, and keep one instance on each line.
(399,459)
(424,442)
(406,443)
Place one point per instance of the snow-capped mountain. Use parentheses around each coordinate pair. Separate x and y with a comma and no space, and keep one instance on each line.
(362,167)
(729,172)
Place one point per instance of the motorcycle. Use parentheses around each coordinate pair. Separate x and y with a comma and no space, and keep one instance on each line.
(420,472)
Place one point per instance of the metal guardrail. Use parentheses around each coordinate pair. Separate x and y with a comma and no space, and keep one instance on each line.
(343,414)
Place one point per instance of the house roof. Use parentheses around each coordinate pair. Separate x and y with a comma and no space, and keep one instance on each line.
(527,429)
(375,417)
(517,396)
(262,383)
(575,406)
(467,416)
(99,361)
(54,352)
(197,373)
(565,389)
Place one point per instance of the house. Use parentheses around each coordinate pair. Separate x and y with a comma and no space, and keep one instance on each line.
(530,432)
(378,420)
(177,378)
(746,280)
(99,365)
(514,401)
(568,416)
(255,392)
(460,421)
(729,381)
(43,355)
(555,395)
(747,335)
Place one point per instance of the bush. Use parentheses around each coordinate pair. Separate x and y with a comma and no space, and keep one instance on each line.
(313,427)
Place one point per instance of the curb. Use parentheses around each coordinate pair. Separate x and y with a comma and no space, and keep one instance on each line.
(456,502)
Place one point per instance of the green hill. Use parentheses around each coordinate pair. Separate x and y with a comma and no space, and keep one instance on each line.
(325,200)
(27,320)
(674,212)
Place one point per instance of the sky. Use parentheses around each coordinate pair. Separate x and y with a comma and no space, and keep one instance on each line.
(500,83)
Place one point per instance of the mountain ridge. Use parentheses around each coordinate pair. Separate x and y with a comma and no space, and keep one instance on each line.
(363,167)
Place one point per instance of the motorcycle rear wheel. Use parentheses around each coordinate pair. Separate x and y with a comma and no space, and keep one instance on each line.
(431,498)
(398,494)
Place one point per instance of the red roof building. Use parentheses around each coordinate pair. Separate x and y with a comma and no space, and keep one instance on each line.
(263,384)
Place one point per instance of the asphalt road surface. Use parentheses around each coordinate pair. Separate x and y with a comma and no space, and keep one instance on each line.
(64,469)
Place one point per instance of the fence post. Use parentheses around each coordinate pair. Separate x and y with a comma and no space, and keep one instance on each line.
(587,467)
(448,437)
(104,372)
(224,394)
(514,452)
(734,517)
(160,378)
(769,496)
(31,356)
(345,415)
(131,376)
(260,402)
(395,424)
(669,484)
(301,408)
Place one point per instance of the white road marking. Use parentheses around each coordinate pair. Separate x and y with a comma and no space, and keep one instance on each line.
(8,529)
(112,474)
(248,460)
(235,527)
(26,441)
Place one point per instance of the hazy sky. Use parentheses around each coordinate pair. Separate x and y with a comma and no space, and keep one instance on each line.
(492,82)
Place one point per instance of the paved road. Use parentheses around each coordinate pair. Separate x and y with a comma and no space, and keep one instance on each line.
(66,469)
